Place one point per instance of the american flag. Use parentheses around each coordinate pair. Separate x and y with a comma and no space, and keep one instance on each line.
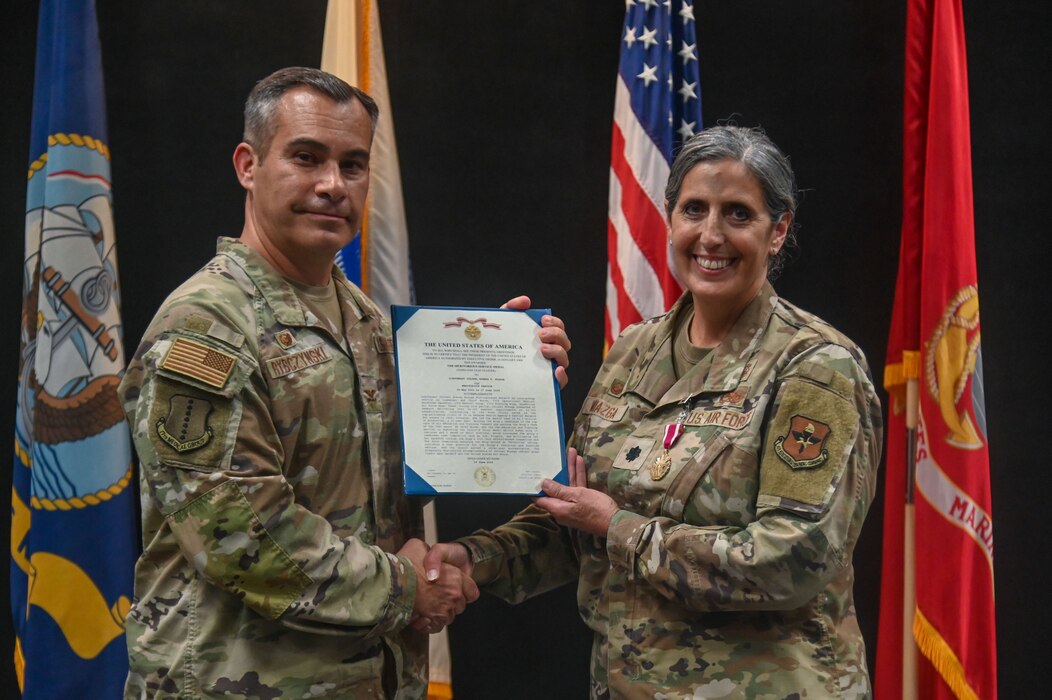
(199,362)
(657,106)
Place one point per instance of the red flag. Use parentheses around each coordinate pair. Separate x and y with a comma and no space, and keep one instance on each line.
(935,339)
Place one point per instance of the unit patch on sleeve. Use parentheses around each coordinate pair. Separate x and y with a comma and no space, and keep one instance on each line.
(811,435)
(198,361)
(803,447)
(186,427)
(192,427)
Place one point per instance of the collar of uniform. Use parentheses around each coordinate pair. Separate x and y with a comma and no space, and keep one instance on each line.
(653,385)
(721,370)
(280,295)
(731,356)
(351,296)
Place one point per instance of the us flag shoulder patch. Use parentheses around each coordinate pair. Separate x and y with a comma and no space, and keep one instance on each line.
(198,361)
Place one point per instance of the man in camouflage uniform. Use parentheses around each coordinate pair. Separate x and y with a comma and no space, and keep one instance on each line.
(726,571)
(278,559)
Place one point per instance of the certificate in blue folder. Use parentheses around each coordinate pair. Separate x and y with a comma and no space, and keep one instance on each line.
(479,404)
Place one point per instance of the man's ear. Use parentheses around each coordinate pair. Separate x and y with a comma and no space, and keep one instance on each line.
(245,162)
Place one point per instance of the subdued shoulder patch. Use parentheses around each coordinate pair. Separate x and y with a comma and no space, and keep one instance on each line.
(198,324)
(198,361)
(822,374)
(808,442)
(185,427)
(206,326)
(191,427)
(227,335)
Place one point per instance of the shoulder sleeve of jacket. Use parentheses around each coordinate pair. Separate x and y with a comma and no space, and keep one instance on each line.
(821,404)
(211,463)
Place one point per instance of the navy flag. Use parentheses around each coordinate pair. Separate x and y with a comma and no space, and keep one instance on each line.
(73,540)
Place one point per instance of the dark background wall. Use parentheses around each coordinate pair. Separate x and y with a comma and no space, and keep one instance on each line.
(503,113)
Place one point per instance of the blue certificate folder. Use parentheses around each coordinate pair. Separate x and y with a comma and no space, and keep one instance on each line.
(475,401)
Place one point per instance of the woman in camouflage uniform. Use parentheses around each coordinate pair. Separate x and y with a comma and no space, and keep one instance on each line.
(722,466)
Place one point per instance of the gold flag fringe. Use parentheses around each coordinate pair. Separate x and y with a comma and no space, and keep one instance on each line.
(439,691)
(938,652)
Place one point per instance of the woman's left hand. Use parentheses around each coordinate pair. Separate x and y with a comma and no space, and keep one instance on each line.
(555,344)
(578,506)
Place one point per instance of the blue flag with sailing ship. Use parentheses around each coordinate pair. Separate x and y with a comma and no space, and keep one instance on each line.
(74,532)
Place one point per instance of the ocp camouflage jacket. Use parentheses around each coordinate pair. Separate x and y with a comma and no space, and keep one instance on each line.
(726,573)
(271,496)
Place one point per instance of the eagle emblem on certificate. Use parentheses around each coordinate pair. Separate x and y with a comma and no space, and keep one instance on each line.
(485,476)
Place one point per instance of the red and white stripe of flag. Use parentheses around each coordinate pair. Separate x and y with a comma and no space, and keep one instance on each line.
(640,282)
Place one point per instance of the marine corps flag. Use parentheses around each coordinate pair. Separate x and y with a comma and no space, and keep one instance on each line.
(73,526)
(934,355)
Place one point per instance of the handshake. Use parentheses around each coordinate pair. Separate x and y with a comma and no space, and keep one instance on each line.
(443,573)
(443,583)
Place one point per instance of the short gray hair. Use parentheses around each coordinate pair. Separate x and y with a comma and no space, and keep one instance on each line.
(752,148)
(259,107)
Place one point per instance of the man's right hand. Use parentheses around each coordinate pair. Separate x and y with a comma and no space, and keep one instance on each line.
(452,553)
(443,588)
